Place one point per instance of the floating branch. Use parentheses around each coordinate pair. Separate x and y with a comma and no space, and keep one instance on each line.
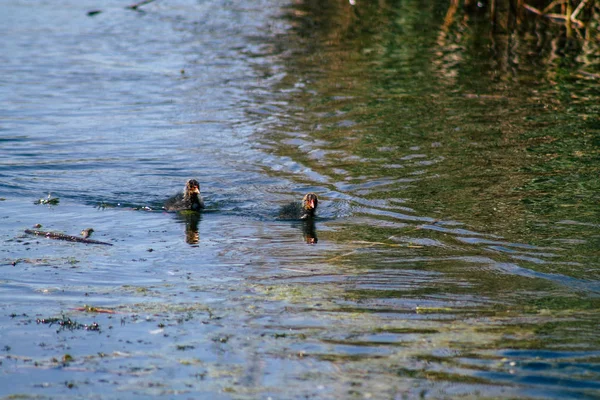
(92,309)
(141,3)
(62,236)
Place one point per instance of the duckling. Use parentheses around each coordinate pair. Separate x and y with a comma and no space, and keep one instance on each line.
(190,199)
(305,210)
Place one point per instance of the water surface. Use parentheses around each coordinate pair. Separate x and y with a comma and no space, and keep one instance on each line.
(456,248)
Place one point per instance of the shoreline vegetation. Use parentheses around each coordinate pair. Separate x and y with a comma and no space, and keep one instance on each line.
(560,32)
(579,17)
(579,14)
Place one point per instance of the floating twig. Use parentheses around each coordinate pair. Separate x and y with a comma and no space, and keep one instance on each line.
(92,309)
(141,3)
(62,236)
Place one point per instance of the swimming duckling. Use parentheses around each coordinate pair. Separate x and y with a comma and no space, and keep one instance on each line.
(190,199)
(303,211)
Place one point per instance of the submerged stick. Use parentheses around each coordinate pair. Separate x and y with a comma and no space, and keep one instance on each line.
(141,3)
(568,18)
(532,9)
(62,236)
(552,5)
(578,9)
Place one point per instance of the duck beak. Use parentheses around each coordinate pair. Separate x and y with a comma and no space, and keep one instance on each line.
(311,204)
(195,190)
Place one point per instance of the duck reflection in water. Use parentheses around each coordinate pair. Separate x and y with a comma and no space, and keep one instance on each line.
(191,219)
(188,204)
(309,231)
(304,212)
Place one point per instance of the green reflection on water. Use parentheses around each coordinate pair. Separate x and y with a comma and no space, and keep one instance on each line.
(468,162)
(396,108)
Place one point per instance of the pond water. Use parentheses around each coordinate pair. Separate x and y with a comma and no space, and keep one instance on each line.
(456,249)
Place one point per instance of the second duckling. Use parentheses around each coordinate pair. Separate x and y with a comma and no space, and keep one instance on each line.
(303,211)
(190,199)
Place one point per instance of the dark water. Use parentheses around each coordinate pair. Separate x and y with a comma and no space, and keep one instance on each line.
(456,251)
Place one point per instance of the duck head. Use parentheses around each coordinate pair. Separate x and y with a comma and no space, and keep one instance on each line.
(192,189)
(191,194)
(309,205)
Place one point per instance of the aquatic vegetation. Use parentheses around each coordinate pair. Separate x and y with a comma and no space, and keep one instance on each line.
(66,323)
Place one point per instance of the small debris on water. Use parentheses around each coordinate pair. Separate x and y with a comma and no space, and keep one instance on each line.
(92,309)
(49,200)
(68,323)
(86,233)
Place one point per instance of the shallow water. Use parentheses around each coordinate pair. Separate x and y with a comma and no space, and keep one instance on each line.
(455,254)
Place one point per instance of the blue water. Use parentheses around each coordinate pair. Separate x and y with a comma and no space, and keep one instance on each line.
(392,293)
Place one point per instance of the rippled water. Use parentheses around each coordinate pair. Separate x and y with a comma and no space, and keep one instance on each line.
(456,246)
